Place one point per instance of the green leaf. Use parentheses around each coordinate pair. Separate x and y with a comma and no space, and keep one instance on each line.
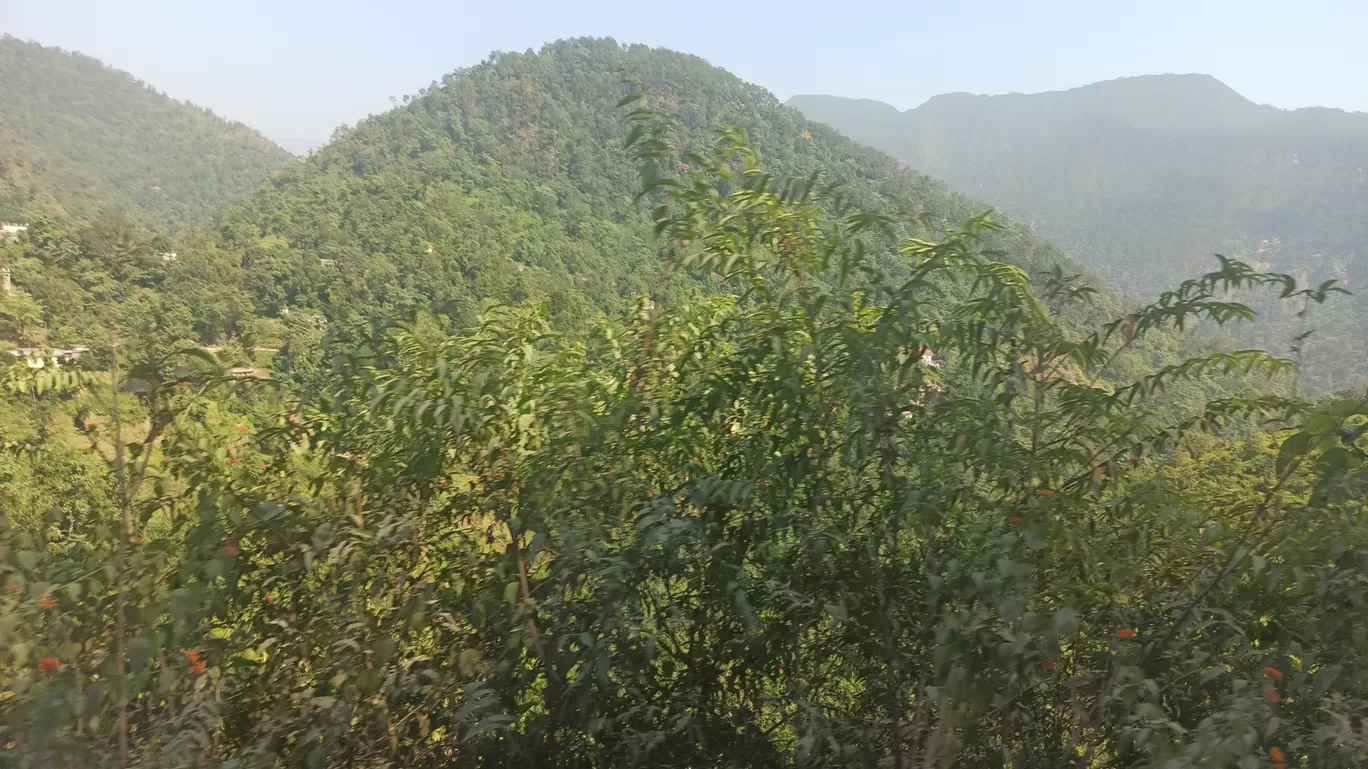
(368,682)
(1295,446)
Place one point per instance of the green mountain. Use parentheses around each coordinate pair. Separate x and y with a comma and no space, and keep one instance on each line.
(506,182)
(509,181)
(82,138)
(1145,178)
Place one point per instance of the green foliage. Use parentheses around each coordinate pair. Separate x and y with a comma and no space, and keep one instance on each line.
(83,139)
(508,182)
(756,530)
(1145,178)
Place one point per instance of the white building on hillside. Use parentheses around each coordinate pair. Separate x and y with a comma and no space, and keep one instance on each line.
(40,357)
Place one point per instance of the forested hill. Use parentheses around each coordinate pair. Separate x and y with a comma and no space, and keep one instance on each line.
(509,181)
(1145,178)
(81,138)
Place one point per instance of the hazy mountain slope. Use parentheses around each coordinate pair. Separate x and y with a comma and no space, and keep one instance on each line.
(1144,178)
(508,181)
(92,138)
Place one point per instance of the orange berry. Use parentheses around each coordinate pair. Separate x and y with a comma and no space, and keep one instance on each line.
(49,664)
(1125,632)
(1278,674)
(47,602)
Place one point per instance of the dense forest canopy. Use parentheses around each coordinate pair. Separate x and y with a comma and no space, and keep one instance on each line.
(508,181)
(754,531)
(86,139)
(593,409)
(1145,178)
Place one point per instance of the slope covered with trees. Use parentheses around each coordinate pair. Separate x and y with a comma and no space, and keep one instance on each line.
(1145,178)
(700,499)
(82,138)
(508,181)
(708,531)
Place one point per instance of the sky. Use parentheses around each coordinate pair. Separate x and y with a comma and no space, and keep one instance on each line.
(296,69)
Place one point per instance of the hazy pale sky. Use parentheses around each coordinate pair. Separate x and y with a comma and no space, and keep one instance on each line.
(298,68)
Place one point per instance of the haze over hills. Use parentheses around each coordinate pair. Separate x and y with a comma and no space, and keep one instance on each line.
(87,138)
(506,182)
(596,435)
(1145,178)
(509,181)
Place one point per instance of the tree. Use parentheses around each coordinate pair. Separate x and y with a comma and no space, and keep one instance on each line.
(734,531)
(21,319)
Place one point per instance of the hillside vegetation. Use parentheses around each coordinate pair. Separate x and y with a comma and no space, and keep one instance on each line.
(84,139)
(1143,179)
(759,531)
(508,181)
(565,416)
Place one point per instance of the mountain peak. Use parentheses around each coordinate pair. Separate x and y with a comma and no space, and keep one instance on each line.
(1178,103)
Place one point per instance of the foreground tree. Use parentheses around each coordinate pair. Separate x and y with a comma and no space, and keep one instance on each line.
(765,530)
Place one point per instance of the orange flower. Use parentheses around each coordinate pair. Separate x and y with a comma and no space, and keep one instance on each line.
(138,540)
(12,588)
(1272,694)
(1046,492)
(441,481)
(1277,755)
(90,425)
(1278,674)
(1016,520)
(47,602)
(1051,665)
(1125,632)
(230,547)
(270,597)
(192,655)
(49,665)
(198,668)
(235,461)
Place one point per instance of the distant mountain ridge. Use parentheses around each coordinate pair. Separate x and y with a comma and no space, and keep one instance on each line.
(84,138)
(1145,178)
